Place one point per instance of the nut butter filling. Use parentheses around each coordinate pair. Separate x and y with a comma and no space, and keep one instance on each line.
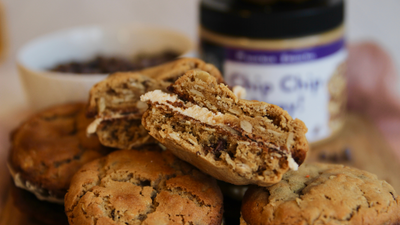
(226,135)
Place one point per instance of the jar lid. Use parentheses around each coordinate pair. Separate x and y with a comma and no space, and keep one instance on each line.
(271,21)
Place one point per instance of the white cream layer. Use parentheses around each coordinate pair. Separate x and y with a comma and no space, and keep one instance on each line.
(196,112)
(199,113)
(91,129)
(26,185)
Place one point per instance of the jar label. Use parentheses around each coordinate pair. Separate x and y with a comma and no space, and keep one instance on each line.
(308,83)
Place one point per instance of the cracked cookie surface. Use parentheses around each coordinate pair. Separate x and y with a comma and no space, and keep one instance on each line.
(323,194)
(48,148)
(238,141)
(146,186)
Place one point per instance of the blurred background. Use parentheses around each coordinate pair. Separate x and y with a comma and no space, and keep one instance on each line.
(25,20)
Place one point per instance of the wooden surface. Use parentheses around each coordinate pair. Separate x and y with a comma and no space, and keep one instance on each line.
(11,216)
(359,144)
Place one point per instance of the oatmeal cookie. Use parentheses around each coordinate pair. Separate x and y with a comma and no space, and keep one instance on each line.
(323,194)
(238,141)
(142,187)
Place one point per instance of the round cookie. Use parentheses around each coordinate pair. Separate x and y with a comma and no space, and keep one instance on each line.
(323,194)
(142,187)
(48,148)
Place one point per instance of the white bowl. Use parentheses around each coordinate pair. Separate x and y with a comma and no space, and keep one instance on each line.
(45,88)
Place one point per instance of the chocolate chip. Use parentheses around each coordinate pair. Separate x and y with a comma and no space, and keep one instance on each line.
(176,104)
(216,148)
(221,145)
(170,88)
(392,196)
(102,64)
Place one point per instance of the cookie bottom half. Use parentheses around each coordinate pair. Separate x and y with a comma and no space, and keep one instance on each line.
(221,152)
(123,133)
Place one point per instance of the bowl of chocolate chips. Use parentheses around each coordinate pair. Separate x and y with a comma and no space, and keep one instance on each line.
(61,67)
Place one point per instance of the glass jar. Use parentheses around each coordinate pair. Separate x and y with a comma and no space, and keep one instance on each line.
(288,54)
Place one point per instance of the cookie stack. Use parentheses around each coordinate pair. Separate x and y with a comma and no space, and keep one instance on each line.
(206,132)
(52,145)
(46,151)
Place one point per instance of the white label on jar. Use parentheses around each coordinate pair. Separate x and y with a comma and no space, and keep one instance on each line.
(297,81)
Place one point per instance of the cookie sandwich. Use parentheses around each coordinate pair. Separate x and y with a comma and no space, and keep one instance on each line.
(146,186)
(323,194)
(234,140)
(115,101)
(48,148)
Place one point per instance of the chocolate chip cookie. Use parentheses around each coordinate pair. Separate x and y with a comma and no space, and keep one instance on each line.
(48,148)
(323,194)
(238,141)
(146,186)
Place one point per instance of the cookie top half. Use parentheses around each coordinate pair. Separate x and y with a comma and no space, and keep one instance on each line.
(48,148)
(323,194)
(146,186)
(119,94)
(235,140)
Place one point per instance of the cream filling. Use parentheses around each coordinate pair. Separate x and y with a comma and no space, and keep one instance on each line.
(196,112)
(26,185)
(292,164)
(92,128)
(199,113)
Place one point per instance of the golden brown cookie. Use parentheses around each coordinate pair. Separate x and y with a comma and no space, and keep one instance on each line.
(117,98)
(48,148)
(142,187)
(323,194)
(238,141)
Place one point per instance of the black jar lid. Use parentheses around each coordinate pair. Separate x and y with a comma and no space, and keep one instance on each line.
(282,19)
